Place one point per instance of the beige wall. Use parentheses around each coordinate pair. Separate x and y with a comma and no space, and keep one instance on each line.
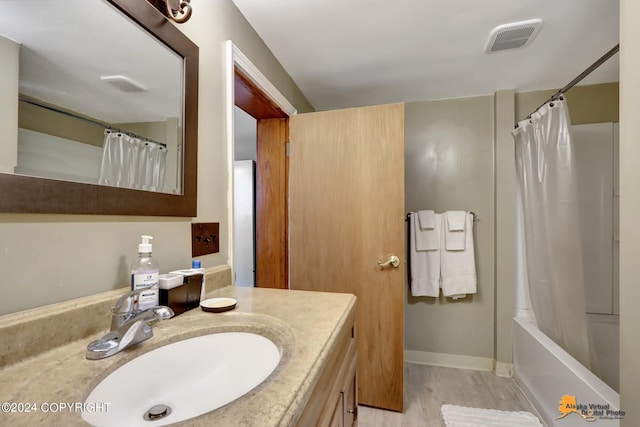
(460,155)
(10,54)
(48,258)
(587,104)
(629,208)
(505,260)
(449,166)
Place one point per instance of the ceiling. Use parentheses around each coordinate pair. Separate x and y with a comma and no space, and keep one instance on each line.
(365,52)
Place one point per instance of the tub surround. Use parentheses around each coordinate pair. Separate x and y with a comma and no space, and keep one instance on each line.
(305,326)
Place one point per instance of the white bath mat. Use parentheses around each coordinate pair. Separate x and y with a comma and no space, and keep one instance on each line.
(461,416)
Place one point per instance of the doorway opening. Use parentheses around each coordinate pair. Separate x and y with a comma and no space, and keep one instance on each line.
(250,91)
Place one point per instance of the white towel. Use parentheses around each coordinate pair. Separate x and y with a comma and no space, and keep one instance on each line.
(425,265)
(454,230)
(456,220)
(427,220)
(458,268)
(427,237)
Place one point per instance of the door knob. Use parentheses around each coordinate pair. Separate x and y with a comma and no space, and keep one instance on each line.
(393,261)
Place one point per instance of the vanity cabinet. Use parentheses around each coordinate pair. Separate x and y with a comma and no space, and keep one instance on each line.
(315,383)
(345,413)
(334,399)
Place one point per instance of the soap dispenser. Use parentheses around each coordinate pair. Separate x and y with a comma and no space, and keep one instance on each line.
(144,275)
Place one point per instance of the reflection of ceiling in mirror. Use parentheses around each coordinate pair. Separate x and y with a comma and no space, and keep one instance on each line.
(68,45)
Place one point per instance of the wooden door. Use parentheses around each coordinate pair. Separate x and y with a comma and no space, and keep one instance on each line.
(346,213)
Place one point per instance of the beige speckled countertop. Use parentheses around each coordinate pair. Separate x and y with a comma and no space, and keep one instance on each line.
(304,325)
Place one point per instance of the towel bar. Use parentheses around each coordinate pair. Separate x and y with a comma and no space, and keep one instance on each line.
(473,214)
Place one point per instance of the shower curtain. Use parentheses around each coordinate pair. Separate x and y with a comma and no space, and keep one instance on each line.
(130,162)
(546,175)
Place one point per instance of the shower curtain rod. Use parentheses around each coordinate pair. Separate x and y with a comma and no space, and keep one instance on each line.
(581,76)
(92,122)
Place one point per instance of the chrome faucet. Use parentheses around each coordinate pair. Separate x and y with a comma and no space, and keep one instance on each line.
(129,326)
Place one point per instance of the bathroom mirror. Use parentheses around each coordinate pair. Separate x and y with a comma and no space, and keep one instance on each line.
(92,72)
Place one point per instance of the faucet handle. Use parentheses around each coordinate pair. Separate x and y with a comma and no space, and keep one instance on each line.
(131,298)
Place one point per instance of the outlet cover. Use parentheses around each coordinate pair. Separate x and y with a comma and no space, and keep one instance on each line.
(205,238)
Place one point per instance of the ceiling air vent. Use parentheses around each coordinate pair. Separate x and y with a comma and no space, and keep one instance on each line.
(124,83)
(513,36)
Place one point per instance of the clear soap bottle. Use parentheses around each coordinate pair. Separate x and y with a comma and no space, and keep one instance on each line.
(144,275)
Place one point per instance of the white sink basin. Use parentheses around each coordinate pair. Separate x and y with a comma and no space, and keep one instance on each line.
(191,377)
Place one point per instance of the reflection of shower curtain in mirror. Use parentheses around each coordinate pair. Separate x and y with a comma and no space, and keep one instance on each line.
(130,162)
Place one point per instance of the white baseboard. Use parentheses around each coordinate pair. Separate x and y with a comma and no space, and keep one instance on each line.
(449,360)
(504,369)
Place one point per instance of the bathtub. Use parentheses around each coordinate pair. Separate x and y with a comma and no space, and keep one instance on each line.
(546,373)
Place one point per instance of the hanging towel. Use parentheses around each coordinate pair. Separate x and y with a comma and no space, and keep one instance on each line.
(427,220)
(458,267)
(427,237)
(456,220)
(425,265)
(454,230)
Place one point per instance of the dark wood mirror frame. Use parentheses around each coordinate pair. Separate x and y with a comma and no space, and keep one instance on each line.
(24,194)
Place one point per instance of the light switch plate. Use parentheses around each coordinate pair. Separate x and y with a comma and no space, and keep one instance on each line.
(205,238)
